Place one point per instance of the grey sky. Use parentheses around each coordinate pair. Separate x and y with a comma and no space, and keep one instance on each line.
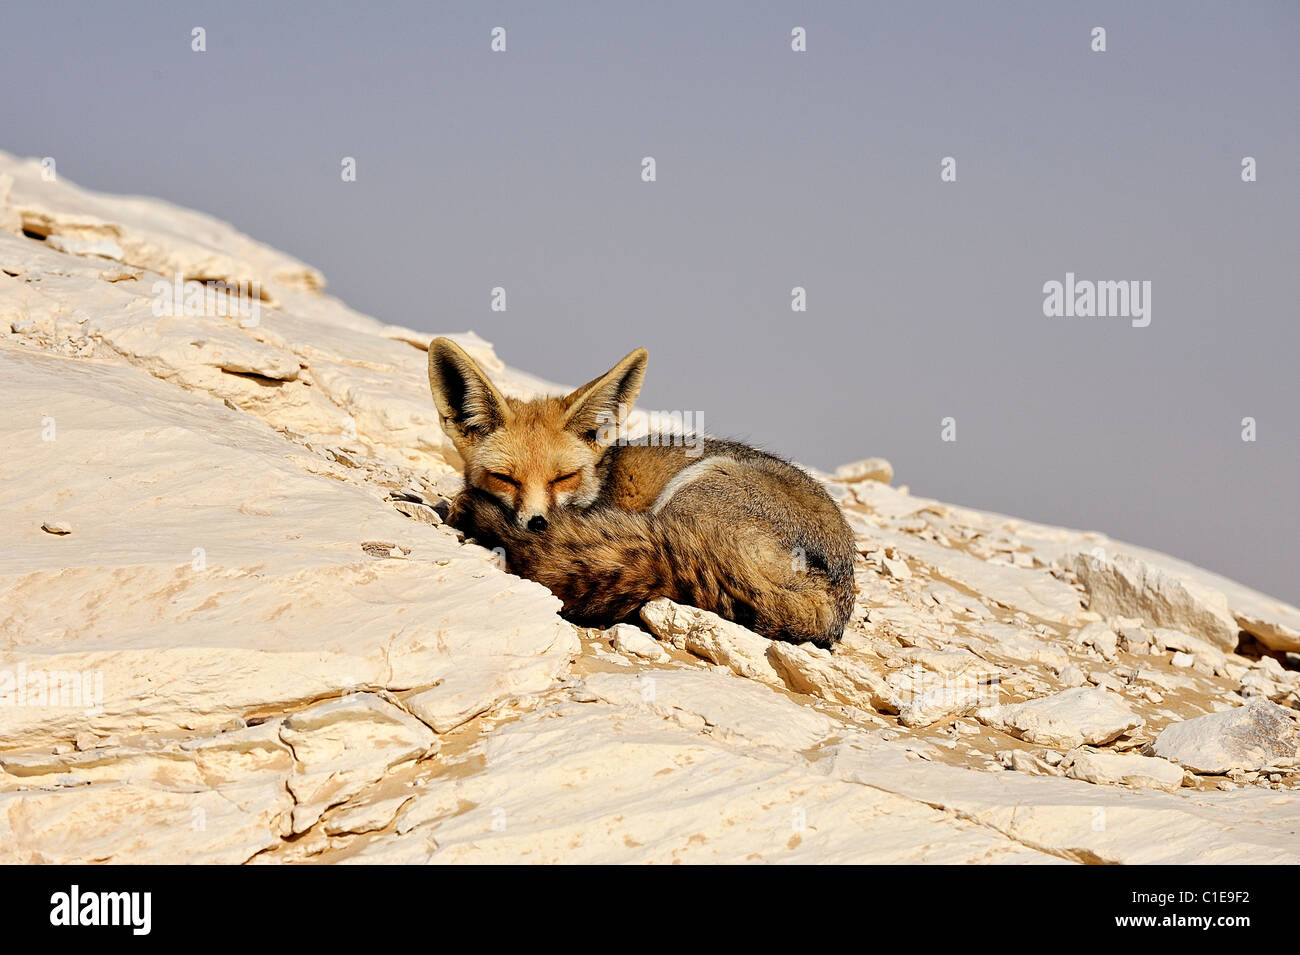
(775,169)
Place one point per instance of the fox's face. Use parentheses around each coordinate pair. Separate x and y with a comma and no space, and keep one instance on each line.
(534,456)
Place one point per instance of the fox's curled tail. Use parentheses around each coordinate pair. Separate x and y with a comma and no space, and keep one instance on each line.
(605,563)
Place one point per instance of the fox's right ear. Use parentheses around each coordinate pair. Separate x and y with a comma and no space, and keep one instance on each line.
(469,406)
(607,399)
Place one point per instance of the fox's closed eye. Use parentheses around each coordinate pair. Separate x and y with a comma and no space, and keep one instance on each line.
(565,478)
(503,477)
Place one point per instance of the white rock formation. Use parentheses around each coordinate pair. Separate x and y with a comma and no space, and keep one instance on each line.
(1250,737)
(1067,719)
(234,628)
(1125,769)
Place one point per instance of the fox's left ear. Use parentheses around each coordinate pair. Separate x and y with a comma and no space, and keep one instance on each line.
(607,399)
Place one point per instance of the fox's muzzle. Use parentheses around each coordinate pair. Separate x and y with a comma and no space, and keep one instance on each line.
(531,520)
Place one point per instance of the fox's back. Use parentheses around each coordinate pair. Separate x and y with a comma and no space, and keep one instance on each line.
(640,472)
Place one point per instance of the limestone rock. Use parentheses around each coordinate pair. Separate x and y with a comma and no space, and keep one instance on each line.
(1213,659)
(417,511)
(707,635)
(1024,762)
(840,681)
(478,683)
(656,791)
(1068,719)
(1033,591)
(232,597)
(343,746)
(1090,824)
(636,642)
(870,469)
(367,817)
(1248,737)
(1101,638)
(723,706)
(937,704)
(1122,584)
(1125,769)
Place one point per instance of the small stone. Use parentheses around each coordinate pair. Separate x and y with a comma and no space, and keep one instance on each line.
(1209,659)
(1067,719)
(346,457)
(897,569)
(1024,762)
(1140,772)
(634,641)
(870,469)
(1120,623)
(1255,683)
(716,640)
(1181,659)
(57,527)
(939,703)
(449,485)
(1071,676)
(1101,638)
(418,512)
(1134,640)
(1108,680)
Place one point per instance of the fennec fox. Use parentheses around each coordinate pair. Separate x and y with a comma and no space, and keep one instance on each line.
(606,527)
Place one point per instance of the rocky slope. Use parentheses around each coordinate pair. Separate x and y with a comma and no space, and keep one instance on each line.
(233,627)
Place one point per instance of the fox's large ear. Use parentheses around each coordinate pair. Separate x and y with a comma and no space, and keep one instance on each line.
(607,399)
(468,404)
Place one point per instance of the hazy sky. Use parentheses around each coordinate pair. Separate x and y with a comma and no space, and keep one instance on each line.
(775,169)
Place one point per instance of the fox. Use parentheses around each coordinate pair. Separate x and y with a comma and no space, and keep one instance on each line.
(608,525)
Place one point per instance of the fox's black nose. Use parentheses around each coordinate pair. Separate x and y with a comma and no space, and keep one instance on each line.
(537,523)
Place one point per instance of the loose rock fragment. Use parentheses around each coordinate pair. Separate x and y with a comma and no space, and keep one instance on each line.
(1125,769)
(870,469)
(937,704)
(423,513)
(709,636)
(636,642)
(1068,719)
(839,681)
(1247,737)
